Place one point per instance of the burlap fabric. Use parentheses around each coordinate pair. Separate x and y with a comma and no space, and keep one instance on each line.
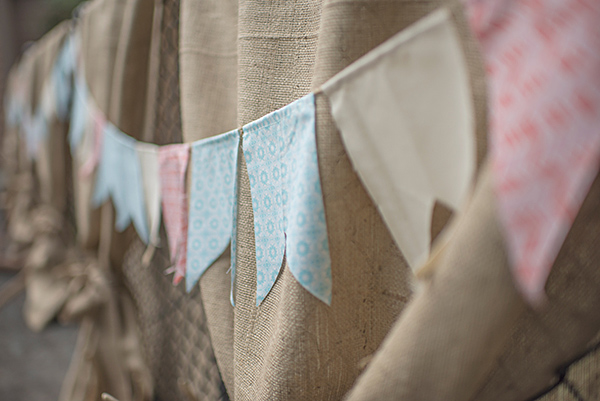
(45,263)
(20,191)
(293,346)
(37,192)
(177,345)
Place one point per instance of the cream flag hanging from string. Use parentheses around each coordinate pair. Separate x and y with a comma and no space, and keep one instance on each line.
(173,161)
(406,119)
(119,176)
(543,64)
(289,217)
(148,157)
(212,199)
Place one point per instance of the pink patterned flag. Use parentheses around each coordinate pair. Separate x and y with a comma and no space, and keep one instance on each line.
(173,161)
(543,63)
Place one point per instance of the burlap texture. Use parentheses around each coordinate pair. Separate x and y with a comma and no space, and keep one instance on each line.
(177,344)
(208,67)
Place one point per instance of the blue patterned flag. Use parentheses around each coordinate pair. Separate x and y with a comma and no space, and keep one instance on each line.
(212,199)
(62,75)
(120,177)
(289,216)
(79,113)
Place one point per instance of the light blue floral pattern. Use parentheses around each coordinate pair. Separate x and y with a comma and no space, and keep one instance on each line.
(120,177)
(281,155)
(212,199)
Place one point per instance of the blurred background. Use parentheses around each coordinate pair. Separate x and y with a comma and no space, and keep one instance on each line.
(32,365)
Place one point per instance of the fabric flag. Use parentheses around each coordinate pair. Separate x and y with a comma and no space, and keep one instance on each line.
(289,216)
(98,131)
(13,99)
(543,66)
(35,128)
(79,114)
(148,157)
(173,160)
(212,198)
(120,177)
(62,76)
(406,118)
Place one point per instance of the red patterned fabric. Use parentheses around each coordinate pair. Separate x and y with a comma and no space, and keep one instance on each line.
(543,63)
(173,160)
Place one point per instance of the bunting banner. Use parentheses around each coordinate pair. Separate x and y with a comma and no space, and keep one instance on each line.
(289,216)
(148,157)
(119,176)
(212,200)
(406,119)
(543,67)
(173,161)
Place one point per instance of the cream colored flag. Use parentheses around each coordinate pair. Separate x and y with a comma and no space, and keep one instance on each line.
(148,155)
(406,118)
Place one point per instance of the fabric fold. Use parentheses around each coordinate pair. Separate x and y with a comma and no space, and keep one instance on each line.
(173,161)
(383,105)
(212,199)
(119,177)
(289,216)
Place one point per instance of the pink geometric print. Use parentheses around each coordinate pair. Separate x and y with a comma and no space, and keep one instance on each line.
(173,161)
(543,64)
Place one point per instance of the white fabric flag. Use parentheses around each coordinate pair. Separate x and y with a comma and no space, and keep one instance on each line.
(148,155)
(406,118)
